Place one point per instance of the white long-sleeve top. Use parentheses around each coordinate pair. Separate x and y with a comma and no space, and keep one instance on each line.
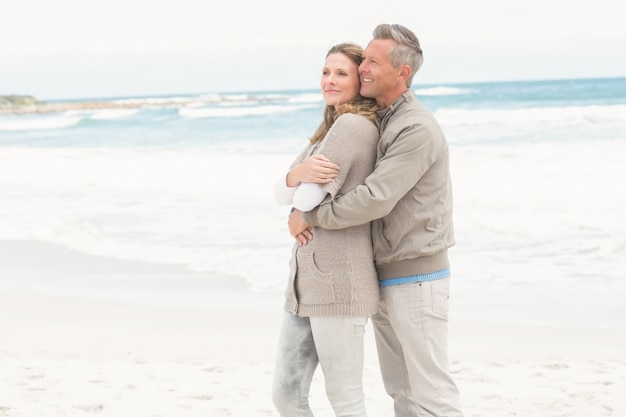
(304,197)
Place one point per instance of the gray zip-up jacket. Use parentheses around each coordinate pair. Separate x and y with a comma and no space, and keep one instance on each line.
(409,195)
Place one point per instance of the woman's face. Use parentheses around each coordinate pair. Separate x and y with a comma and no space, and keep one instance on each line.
(340,79)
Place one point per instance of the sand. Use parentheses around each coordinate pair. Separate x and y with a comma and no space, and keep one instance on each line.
(80,355)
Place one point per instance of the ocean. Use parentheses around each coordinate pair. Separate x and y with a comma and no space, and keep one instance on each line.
(538,170)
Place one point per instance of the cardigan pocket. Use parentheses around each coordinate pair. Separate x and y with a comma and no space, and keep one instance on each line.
(314,286)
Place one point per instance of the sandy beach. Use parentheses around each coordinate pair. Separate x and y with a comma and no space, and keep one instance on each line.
(81,354)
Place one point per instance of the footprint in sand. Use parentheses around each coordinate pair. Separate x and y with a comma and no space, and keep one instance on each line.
(90,408)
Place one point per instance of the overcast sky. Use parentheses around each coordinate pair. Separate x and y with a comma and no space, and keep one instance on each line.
(86,49)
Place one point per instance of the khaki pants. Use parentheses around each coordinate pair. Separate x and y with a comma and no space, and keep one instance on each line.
(412,341)
(336,343)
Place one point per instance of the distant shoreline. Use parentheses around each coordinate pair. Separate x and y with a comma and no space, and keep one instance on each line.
(19,105)
(30,105)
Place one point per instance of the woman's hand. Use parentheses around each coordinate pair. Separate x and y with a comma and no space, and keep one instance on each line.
(316,168)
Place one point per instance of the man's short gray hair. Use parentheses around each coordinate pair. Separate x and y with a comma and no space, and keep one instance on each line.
(407,50)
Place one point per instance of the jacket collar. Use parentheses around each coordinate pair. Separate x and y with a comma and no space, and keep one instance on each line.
(385,114)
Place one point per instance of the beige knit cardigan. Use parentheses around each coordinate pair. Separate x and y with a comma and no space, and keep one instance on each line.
(334,274)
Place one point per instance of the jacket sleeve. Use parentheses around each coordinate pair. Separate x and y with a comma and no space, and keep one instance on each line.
(403,162)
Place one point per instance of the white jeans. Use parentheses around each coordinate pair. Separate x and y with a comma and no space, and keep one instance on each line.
(412,341)
(336,343)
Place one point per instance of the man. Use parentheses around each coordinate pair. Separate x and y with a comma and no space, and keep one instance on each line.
(408,198)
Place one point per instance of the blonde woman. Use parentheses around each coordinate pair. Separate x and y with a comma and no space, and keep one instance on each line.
(333,286)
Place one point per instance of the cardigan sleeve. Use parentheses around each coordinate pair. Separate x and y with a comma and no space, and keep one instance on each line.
(346,144)
(343,144)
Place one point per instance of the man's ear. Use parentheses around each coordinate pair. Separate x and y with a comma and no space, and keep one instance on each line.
(405,72)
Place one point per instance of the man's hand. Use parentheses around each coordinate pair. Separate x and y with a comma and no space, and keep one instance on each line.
(299,229)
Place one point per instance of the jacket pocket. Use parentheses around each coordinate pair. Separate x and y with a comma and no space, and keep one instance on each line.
(379,241)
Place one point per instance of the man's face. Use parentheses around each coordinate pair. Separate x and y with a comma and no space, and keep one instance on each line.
(379,79)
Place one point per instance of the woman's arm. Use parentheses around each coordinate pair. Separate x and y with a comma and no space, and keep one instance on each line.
(308,196)
(315,169)
(283,193)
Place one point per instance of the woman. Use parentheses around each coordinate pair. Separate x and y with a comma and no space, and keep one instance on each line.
(333,287)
